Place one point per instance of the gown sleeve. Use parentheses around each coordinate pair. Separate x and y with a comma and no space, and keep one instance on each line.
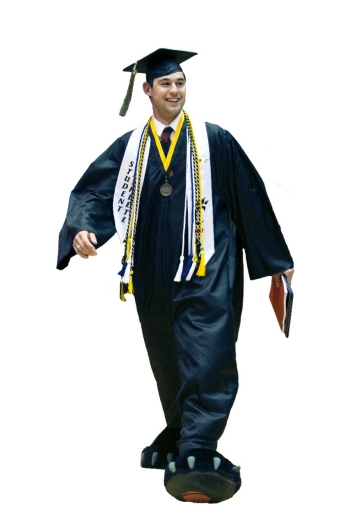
(90,205)
(251,211)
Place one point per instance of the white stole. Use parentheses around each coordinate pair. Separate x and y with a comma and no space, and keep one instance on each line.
(124,190)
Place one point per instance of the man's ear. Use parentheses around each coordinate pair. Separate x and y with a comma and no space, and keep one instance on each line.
(146,88)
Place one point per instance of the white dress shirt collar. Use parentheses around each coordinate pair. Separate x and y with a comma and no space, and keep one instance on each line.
(160,127)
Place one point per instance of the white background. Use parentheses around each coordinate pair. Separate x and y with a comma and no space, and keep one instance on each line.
(78,401)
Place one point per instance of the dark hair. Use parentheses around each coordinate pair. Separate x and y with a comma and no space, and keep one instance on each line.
(150,82)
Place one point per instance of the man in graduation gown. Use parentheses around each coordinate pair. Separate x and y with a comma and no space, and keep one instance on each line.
(189,307)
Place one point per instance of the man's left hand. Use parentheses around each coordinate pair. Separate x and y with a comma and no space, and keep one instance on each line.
(288,273)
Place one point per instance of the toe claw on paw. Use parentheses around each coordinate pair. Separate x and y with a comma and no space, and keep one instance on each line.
(154,458)
(191,461)
(172,467)
(216,463)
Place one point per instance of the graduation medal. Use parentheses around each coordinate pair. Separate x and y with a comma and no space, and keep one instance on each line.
(166,189)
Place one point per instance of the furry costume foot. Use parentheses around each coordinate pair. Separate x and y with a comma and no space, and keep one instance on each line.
(202,476)
(162,450)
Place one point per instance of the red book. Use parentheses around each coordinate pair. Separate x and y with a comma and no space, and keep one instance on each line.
(282,299)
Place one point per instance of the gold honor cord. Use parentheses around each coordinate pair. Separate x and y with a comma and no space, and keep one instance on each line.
(198,241)
(167,159)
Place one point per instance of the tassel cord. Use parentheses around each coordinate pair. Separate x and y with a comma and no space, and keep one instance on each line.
(127,99)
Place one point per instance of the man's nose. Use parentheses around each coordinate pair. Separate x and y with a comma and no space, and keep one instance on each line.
(173,88)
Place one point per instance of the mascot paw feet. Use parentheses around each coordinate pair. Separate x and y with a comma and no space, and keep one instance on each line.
(202,476)
(162,451)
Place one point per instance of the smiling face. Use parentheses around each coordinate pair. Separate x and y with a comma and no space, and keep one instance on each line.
(168,95)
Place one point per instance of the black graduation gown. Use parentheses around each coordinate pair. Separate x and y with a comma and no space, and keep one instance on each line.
(190,328)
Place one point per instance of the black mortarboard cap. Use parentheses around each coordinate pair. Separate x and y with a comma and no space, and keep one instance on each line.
(157,64)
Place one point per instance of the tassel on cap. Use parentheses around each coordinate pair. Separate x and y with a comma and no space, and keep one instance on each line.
(127,99)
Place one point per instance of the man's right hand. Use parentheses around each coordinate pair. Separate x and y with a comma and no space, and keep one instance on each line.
(83,244)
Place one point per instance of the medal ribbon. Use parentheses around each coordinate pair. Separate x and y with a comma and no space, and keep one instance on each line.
(167,159)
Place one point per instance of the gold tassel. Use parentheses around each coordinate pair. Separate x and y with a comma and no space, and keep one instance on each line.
(130,284)
(127,99)
(121,294)
(202,269)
